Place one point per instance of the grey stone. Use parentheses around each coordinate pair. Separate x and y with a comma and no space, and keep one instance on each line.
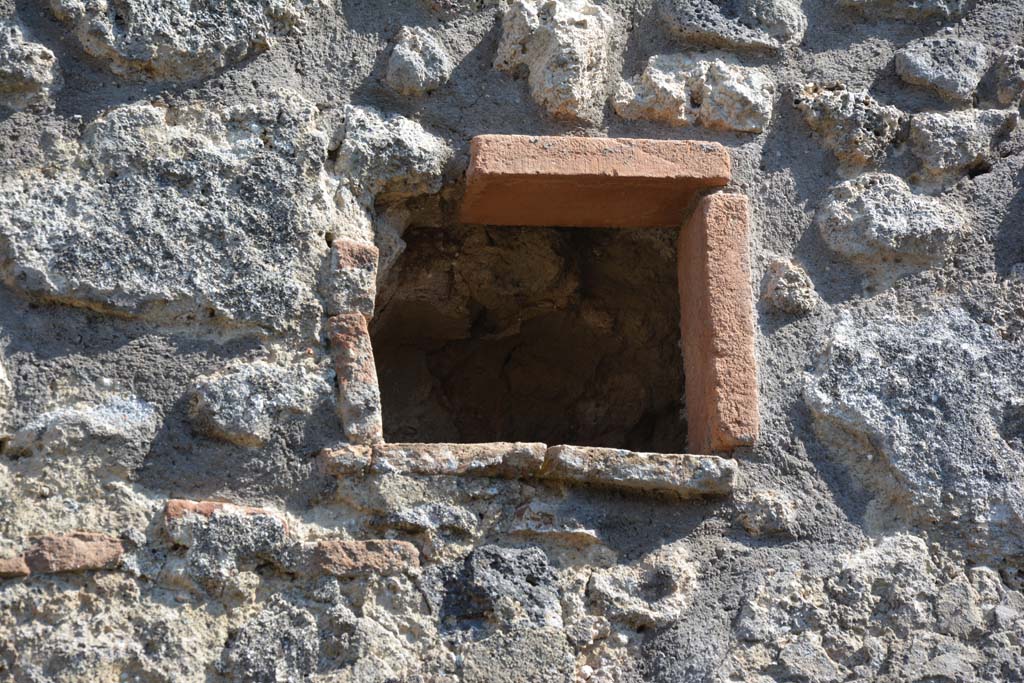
(244,401)
(852,124)
(388,156)
(681,89)
(522,655)
(1009,71)
(419,62)
(687,476)
(177,40)
(767,512)
(888,395)
(117,431)
(564,46)
(205,214)
(788,289)
(28,70)
(514,587)
(726,25)
(950,66)
(280,643)
(876,218)
(653,592)
(952,143)
(909,10)
(6,393)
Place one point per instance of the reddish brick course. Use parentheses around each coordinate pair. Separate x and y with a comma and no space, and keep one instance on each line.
(74,552)
(358,391)
(717,325)
(588,182)
(177,508)
(350,559)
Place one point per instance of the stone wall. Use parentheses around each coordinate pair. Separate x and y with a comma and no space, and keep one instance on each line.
(221,225)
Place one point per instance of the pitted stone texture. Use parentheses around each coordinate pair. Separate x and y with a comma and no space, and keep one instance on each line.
(909,10)
(178,41)
(876,219)
(242,403)
(953,143)
(950,66)
(564,46)
(587,182)
(851,123)
(116,432)
(279,643)
(358,390)
(388,156)
(419,62)
(75,552)
(651,593)
(750,25)
(717,325)
(222,537)
(514,587)
(788,289)
(681,89)
(1009,74)
(28,70)
(688,476)
(475,459)
(179,214)
(888,394)
(350,283)
(350,559)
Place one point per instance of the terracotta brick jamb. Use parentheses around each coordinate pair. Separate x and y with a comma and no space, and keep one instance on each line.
(588,182)
(717,325)
(358,389)
(73,552)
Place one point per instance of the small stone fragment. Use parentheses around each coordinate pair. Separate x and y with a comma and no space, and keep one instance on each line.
(13,567)
(241,403)
(513,460)
(514,586)
(28,70)
(680,89)
(117,431)
(688,476)
(788,289)
(177,40)
(280,643)
(358,390)
(419,62)
(950,66)
(767,512)
(548,521)
(350,559)
(74,552)
(1009,72)
(783,20)
(391,157)
(652,593)
(875,218)
(851,123)
(909,10)
(350,284)
(564,47)
(706,23)
(952,143)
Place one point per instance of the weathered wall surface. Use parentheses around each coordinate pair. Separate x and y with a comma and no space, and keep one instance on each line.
(190,191)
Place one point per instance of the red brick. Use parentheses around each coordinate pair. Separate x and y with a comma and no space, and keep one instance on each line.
(13,567)
(588,182)
(177,508)
(717,325)
(74,552)
(349,559)
(358,390)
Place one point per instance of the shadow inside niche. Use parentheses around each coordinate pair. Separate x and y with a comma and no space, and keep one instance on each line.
(532,334)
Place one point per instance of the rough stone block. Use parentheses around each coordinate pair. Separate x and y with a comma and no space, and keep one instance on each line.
(352,284)
(74,552)
(344,460)
(482,459)
(358,390)
(689,476)
(349,559)
(587,182)
(717,325)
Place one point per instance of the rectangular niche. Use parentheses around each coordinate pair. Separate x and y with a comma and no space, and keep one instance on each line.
(594,292)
